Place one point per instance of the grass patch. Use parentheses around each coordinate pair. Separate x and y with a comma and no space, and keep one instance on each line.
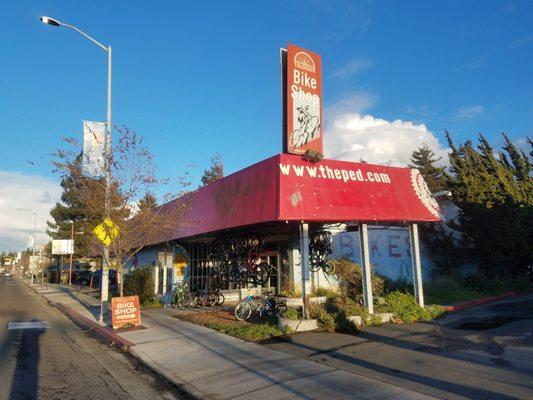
(251,333)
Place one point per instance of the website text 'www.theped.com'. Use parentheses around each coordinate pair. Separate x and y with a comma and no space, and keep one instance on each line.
(325,172)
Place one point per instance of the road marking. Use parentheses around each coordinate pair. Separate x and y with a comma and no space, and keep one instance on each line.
(28,325)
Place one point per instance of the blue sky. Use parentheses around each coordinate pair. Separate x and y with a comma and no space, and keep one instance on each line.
(196,78)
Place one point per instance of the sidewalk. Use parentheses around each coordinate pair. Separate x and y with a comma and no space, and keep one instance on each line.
(210,365)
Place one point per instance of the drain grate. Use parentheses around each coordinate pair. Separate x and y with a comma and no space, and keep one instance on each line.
(28,325)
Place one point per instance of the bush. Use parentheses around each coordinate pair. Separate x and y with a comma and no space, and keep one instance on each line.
(140,282)
(291,313)
(251,333)
(325,320)
(350,279)
(343,324)
(405,308)
(325,292)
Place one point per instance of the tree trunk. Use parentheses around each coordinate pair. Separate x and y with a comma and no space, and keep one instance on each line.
(120,276)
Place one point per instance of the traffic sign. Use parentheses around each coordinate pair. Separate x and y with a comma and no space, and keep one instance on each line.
(106,232)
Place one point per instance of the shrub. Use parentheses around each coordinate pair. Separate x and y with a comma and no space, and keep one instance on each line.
(325,320)
(291,293)
(140,282)
(398,285)
(405,307)
(326,292)
(291,313)
(252,332)
(343,324)
(350,279)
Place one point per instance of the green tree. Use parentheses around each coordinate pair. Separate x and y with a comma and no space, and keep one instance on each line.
(148,202)
(425,160)
(495,206)
(215,171)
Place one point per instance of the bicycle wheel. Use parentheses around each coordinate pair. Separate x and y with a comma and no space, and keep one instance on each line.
(280,309)
(328,267)
(243,310)
(211,298)
(314,267)
(261,273)
(220,299)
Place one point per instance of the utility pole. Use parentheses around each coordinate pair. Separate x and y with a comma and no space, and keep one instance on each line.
(71,252)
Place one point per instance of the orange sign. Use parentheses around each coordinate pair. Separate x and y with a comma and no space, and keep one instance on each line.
(125,310)
(304,101)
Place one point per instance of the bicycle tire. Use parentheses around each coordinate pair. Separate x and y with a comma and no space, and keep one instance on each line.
(243,310)
(314,267)
(328,267)
(261,273)
(280,309)
(220,299)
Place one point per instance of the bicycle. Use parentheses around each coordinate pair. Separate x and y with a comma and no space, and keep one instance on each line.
(309,127)
(270,307)
(320,248)
(182,297)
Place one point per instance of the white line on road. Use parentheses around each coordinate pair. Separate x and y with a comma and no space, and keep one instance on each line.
(28,325)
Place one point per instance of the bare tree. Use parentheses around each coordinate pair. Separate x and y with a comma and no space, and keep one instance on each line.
(133,175)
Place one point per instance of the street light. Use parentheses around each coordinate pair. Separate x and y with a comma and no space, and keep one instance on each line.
(105,269)
(34,229)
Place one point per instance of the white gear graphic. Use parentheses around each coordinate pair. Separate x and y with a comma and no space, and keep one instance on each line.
(423,193)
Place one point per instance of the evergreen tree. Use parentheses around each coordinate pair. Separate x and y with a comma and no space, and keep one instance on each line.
(215,171)
(424,159)
(148,202)
(495,212)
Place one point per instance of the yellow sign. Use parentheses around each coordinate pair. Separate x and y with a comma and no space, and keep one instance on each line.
(106,232)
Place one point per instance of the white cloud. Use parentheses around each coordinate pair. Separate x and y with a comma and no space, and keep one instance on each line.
(30,192)
(351,68)
(353,136)
(466,113)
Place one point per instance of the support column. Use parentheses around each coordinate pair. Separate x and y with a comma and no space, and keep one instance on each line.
(304,262)
(164,288)
(417,269)
(156,277)
(366,268)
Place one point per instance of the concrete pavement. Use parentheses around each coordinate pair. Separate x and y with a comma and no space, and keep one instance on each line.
(57,360)
(479,353)
(209,364)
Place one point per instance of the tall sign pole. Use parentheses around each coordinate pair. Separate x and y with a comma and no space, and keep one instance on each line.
(105,267)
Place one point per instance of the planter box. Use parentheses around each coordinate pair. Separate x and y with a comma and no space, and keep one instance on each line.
(298,325)
(297,302)
(385,317)
(318,300)
(292,302)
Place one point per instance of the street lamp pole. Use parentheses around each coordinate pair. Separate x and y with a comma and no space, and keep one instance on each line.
(34,230)
(104,295)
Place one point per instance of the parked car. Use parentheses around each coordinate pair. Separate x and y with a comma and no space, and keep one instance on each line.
(92,279)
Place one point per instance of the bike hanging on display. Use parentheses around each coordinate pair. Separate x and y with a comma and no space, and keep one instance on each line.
(320,249)
(267,306)
(237,259)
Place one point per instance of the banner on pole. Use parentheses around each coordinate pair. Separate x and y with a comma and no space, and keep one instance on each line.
(63,246)
(93,149)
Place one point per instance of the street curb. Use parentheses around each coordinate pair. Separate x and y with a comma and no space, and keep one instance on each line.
(104,332)
(478,302)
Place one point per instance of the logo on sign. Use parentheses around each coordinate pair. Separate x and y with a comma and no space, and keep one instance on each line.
(423,193)
(303,61)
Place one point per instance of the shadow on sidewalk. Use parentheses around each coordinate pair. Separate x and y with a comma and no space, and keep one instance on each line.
(94,310)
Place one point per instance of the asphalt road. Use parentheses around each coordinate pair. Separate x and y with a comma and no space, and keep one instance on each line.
(483,353)
(61,361)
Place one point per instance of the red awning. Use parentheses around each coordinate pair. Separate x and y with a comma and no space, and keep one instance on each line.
(287,188)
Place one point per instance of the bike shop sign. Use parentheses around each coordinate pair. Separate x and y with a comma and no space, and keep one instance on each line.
(125,311)
(304,101)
